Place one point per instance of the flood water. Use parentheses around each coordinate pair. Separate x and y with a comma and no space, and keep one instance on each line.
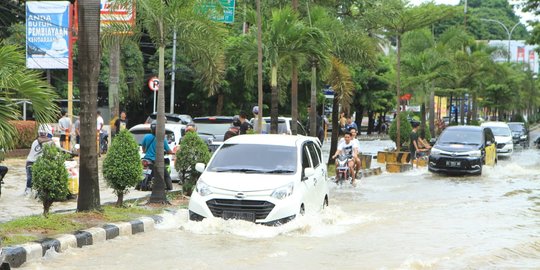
(413,220)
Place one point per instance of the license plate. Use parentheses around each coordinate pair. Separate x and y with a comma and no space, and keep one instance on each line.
(147,171)
(248,216)
(453,163)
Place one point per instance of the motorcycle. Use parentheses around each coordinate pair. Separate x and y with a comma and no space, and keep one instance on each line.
(148,176)
(343,171)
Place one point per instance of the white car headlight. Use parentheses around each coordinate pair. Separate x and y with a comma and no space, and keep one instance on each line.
(203,189)
(283,192)
(435,151)
(475,153)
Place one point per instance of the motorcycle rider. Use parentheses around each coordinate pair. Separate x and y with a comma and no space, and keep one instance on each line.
(36,150)
(349,149)
(149,150)
(234,129)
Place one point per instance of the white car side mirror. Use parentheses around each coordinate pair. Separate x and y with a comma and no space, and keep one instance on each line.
(308,172)
(200,167)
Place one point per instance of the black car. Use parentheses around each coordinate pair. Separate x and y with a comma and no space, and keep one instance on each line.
(520,133)
(463,150)
(212,129)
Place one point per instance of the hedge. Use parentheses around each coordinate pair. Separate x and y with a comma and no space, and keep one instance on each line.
(27,133)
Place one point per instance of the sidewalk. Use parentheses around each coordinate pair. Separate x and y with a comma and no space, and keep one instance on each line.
(14,204)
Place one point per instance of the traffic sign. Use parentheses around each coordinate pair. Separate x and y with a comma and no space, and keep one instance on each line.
(227,6)
(153,83)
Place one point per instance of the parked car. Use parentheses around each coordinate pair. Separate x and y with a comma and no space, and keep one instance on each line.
(503,136)
(284,126)
(173,134)
(174,118)
(520,133)
(212,129)
(262,178)
(463,149)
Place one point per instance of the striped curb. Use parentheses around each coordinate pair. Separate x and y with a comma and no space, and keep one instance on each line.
(16,256)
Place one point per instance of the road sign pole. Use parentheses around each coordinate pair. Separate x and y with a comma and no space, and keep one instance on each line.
(154,101)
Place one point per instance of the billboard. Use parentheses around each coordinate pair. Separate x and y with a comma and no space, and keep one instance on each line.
(47,25)
(112,12)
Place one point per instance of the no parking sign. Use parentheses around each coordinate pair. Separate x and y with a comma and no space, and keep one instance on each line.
(153,84)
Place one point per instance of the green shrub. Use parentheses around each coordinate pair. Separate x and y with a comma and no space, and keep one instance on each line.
(192,150)
(50,177)
(517,118)
(26,133)
(122,167)
(405,130)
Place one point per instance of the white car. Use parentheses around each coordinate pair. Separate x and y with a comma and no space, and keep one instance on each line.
(173,134)
(268,179)
(503,137)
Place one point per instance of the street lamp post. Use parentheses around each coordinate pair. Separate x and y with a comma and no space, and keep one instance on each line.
(509,32)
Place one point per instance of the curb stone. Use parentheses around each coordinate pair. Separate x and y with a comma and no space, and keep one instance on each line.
(16,256)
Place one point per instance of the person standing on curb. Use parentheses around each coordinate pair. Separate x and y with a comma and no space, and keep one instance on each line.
(120,123)
(77,127)
(36,150)
(256,121)
(100,124)
(64,124)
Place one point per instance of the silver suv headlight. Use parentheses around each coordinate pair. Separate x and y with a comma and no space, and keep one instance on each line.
(202,188)
(435,151)
(475,153)
(283,192)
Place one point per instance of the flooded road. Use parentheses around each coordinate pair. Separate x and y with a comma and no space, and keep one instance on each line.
(413,220)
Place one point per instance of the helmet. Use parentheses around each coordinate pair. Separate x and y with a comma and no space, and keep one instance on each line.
(255,110)
(153,126)
(42,131)
(236,121)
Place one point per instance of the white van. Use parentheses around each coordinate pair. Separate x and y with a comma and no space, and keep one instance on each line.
(503,137)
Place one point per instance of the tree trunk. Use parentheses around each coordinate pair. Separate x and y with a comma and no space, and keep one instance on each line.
(294,5)
(274,103)
(423,120)
(398,90)
(474,107)
(432,113)
(219,106)
(120,200)
(158,186)
(371,122)
(259,67)
(335,128)
(89,64)
(462,109)
(114,78)
(359,109)
(313,102)
(46,207)
(294,99)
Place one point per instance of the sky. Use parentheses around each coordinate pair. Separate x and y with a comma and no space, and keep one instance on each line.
(524,16)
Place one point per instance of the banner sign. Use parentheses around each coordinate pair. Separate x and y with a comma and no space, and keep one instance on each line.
(111,13)
(47,24)
(520,53)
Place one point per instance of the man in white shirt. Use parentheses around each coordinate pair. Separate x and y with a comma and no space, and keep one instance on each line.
(349,149)
(100,123)
(64,124)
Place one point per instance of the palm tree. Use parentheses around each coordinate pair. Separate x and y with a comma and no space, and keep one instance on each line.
(197,37)
(89,64)
(399,18)
(18,82)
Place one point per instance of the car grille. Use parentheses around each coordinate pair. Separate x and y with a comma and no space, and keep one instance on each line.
(500,145)
(260,208)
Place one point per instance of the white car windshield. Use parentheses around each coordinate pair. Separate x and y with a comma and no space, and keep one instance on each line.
(255,158)
(501,131)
